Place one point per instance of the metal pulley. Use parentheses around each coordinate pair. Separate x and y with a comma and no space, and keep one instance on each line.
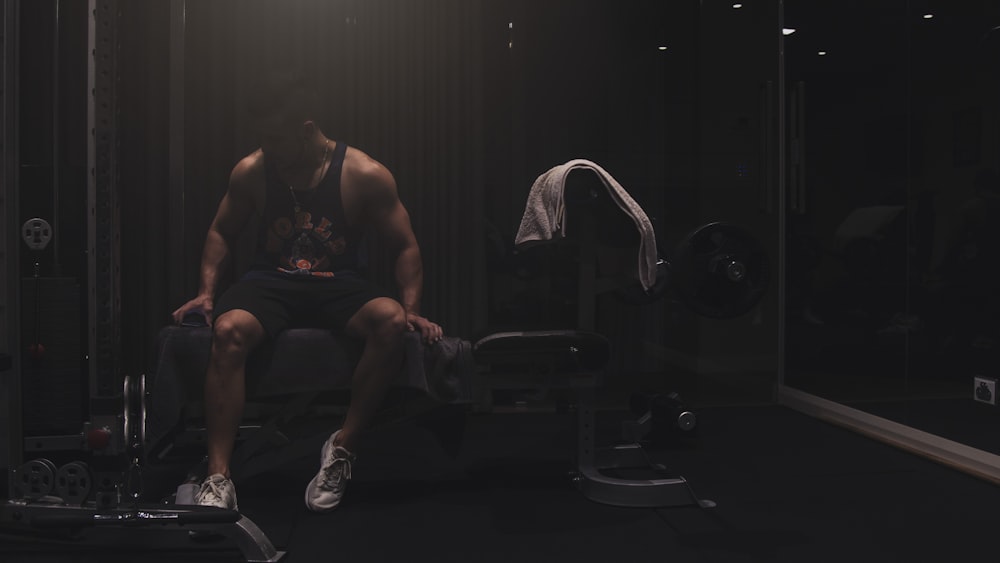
(36,233)
(35,479)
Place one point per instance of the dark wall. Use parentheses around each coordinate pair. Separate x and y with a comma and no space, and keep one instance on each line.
(144,191)
(464,108)
(586,80)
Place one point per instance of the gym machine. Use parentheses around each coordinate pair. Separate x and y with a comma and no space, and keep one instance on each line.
(718,270)
(102,489)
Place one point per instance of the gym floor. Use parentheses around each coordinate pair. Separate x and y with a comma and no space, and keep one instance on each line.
(789,488)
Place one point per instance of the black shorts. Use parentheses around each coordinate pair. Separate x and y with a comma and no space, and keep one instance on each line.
(280,303)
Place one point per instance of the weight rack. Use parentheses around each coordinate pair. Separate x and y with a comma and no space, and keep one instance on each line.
(105,492)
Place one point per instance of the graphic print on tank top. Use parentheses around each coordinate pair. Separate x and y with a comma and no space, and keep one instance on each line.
(306,233)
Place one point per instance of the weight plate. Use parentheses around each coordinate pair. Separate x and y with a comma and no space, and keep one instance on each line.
(35,479)
(36,233)
(73,483)
(720,271)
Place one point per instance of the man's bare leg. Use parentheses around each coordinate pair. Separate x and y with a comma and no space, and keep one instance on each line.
(235,334)
(381,322)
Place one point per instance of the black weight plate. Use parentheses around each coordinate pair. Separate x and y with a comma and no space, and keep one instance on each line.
(73,483)
(702,266)
(35,479)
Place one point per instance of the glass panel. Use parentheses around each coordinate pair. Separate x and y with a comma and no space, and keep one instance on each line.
(954,199)
(847,183)
(892,182)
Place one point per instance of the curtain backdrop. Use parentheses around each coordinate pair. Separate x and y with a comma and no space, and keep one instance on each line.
(465,101)
(400,80)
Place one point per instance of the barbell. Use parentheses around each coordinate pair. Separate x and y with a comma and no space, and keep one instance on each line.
(718,270)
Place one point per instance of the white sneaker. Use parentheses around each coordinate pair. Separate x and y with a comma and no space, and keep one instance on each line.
(327,487)
(217,491)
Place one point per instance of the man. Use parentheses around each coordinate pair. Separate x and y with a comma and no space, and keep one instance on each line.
(315,198)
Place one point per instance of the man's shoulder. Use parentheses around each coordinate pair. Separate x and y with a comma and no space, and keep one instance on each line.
(249,172)
(361,170)
(251,164)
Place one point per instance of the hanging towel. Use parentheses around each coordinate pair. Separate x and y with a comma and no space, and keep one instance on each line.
(545,213)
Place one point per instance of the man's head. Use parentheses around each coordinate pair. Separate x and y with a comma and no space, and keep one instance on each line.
(282,111)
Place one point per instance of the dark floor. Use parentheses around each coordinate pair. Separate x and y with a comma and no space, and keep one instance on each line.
(789,488)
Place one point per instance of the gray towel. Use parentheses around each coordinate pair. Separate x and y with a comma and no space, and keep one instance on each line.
(447,368)
(545,213)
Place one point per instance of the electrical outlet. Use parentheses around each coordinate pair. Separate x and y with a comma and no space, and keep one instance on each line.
(984,389)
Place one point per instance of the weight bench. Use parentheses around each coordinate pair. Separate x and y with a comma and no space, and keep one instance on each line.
(577,358)
(284,377)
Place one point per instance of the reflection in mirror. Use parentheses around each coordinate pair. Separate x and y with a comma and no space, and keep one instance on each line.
(892,232)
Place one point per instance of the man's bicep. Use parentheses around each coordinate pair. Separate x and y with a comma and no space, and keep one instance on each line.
(238,205)
(396,227)
(386,210)
(234,211)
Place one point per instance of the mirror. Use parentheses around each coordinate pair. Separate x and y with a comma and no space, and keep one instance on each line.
(893,154)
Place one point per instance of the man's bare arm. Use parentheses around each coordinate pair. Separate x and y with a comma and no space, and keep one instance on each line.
(392,221)
(234,211)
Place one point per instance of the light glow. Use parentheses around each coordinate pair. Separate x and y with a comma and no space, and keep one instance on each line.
(787,31)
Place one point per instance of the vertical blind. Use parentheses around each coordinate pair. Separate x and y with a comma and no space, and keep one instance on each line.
(400,80)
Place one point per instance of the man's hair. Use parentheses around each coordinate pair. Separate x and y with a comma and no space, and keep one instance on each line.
(282,96)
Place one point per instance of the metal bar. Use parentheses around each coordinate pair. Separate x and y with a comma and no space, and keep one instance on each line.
(767,147)
(240,530)
(91,198)
(67,442)
(103,225)
(55,142)
(800,146)
(10,321)
(176,238)
(793,150)
(782,196)
(976,462)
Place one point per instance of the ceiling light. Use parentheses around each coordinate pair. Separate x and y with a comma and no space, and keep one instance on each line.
(737,6)
(787,31)
(928,16)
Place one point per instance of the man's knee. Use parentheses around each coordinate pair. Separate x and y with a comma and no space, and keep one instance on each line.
(235,333)
(383,319)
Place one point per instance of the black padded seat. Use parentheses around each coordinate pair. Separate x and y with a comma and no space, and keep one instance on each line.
(556,350)
(293,368)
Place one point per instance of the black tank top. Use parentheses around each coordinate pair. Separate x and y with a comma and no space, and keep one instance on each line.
(305,233)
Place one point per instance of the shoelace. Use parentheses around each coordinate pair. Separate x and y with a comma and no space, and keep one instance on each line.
(211,488)
(338,470)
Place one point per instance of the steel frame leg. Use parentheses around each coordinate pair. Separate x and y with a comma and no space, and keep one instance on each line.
(251,541)
(639,493)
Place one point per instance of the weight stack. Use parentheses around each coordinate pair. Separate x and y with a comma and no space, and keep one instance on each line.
(54,378)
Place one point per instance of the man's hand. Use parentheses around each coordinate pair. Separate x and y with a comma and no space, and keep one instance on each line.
(202,304)
(431,332)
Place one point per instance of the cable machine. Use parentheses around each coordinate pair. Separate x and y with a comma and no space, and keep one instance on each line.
(102,487)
